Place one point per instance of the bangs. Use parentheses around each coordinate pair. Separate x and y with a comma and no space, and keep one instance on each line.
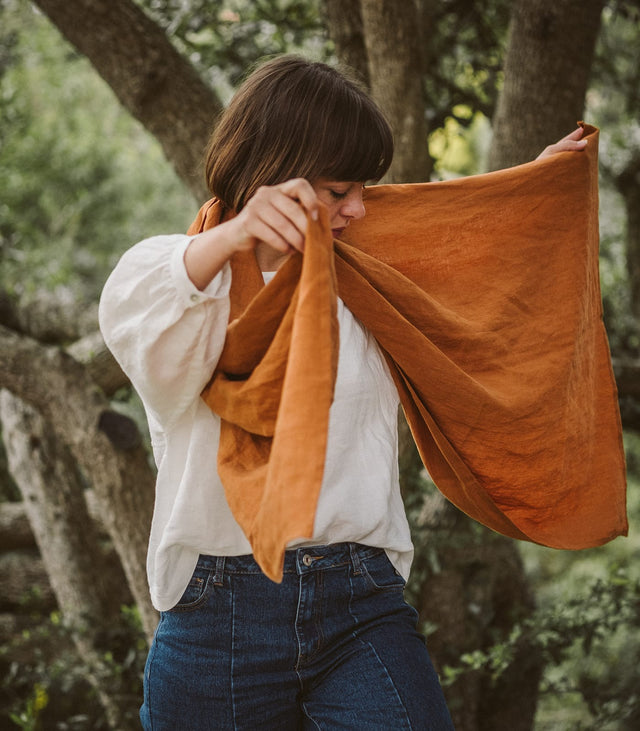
(357,144)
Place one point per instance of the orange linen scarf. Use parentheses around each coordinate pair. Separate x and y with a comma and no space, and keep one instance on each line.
(483,294)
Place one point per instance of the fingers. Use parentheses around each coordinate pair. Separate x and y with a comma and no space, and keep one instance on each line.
(572,142)
(277,215)
(301,190)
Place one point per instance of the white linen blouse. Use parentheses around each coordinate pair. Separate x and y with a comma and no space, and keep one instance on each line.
(167,335)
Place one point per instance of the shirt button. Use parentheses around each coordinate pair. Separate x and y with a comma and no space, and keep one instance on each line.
(195,297)
(307,560)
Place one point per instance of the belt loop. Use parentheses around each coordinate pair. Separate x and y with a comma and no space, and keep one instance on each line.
(219,574)
(355,559)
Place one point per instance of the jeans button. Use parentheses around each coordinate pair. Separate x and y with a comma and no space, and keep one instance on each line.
(307,560)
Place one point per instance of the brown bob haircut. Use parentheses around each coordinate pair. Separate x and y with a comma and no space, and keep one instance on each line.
(294,118)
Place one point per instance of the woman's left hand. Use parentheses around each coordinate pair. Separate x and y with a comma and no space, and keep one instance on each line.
(571,143)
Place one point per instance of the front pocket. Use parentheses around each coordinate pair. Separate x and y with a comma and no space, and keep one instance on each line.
(381,573)
(196,592)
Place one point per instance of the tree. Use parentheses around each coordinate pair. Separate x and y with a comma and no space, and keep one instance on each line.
(393,50)
(541,99)
(54,499)
(616,101)
(424,63)
(106,446)
(387,43)
(150,78)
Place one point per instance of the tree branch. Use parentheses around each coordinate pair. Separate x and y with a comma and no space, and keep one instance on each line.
(102,367)
(89,588)
(151,79)
(62,391)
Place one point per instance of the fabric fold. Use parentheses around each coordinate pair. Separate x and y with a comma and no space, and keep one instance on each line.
(483,294)
(272,495)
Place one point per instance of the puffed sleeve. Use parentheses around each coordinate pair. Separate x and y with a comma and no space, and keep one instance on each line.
(165,333)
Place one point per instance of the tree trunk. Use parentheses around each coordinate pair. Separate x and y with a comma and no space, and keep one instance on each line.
(344,21)
(24,581)
(393,48)
(150,78)
(546,71)
(49,318)
(470,589)
(88,588)
(628,184)
(15,531)
(106,446)
(475,597)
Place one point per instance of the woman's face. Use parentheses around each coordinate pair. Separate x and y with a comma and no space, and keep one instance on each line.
(343,200)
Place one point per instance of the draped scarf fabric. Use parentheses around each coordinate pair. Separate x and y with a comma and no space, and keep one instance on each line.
(483,294)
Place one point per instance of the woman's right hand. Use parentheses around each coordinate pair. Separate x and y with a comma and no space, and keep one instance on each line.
(274,222)
(276,216)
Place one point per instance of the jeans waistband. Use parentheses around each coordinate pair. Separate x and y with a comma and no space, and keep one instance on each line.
(296,561)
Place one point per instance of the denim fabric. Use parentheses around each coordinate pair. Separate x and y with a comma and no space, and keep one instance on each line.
(334,646)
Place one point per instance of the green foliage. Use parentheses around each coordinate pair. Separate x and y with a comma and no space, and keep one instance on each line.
(589,644)
(29,718)
(223,38)
(613,104)
(622,326)
(461,149)
(585,629)
(78,187)
(616,70)
(466,43)
(43,681)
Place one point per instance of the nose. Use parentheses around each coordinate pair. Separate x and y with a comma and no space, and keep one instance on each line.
(354,205)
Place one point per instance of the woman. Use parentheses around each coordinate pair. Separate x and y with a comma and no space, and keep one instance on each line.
(334,645)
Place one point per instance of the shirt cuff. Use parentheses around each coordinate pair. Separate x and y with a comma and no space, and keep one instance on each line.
(217,288)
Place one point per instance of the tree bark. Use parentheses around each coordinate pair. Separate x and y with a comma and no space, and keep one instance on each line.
(105,445)
(89,591)
(88,588)
(24,580)
(15,531)
(546,71)
(628,184)
(102,367)
(151,79)
(471,589)
(392,41)
(344,21)
(48,316)
(627,372)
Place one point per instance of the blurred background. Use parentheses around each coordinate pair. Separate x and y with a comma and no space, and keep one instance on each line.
(105,111)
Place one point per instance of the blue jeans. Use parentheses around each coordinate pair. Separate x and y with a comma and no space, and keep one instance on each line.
(334,646)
